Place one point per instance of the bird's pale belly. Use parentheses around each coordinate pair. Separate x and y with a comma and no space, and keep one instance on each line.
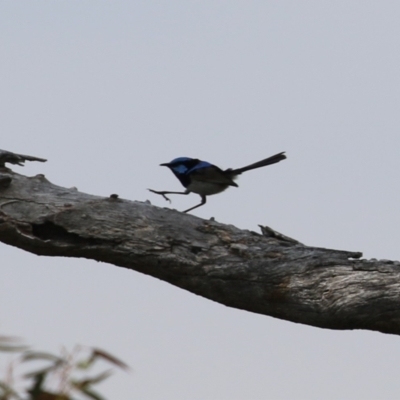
(206,188)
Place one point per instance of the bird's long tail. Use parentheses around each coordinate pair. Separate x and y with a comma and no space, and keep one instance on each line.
(268,161)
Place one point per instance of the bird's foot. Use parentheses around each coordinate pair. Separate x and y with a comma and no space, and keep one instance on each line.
(160,193)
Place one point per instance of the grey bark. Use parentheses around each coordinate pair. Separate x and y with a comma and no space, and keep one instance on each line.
(17,159)
(269,274)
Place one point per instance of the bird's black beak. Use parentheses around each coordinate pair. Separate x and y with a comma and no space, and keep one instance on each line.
(164,165)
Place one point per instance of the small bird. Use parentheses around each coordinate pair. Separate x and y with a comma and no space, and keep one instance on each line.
(206,179)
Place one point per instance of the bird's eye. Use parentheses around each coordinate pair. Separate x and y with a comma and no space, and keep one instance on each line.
(180,169)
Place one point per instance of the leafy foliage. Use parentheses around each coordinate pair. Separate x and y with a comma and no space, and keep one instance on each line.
(55,377)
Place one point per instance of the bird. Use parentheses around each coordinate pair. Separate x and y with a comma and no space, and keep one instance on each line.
(206,179)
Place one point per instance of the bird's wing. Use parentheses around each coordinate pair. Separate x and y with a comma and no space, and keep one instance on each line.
(211,174)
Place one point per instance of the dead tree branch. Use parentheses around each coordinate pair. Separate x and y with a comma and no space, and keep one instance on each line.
(269,274)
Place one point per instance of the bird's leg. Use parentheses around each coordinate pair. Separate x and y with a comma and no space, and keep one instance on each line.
(163,194)
(203,201)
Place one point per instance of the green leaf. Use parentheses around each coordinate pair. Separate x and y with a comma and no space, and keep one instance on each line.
(35,355)
(98,353)
(90,381)
(37,385)
(12,348)
(10,343)
(91,394)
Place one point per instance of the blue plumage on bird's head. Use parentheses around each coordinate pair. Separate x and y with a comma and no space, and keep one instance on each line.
(181,165)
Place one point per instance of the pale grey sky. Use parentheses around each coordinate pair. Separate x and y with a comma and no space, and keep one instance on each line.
(109,90)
